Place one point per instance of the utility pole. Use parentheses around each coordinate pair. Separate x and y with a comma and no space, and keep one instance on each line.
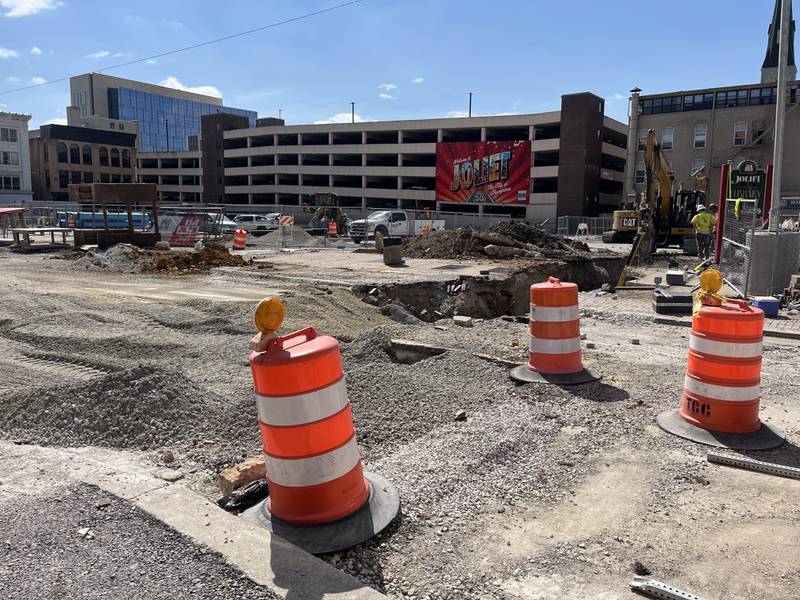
(469,112)
(280,113)
(352,112)
(780,117)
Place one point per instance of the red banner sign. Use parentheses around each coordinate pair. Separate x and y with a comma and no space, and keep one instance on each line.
(490,172)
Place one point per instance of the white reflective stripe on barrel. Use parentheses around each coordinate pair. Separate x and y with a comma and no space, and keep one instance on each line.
(303,472)
(565,346)
(726,349)
(284,411)
(554,314)
(722,392)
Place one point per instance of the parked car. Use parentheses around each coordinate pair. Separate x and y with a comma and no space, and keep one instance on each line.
(258,224)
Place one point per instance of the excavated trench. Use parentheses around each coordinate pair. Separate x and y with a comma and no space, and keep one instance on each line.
(498,292)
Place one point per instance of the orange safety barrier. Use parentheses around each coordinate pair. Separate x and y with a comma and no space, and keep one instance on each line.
(722,386)
(240,239)
(332,230)
(555,337)
(313,464)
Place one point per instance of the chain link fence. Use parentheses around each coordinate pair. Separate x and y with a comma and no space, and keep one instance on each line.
(742,218)
(596,225)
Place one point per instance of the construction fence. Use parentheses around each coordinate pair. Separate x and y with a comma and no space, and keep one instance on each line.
(595,226)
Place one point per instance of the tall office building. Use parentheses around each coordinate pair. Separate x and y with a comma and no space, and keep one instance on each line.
(166,117)
(15,166)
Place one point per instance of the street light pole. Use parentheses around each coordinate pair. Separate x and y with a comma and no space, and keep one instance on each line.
(780,117)
(469,112)
(352,112)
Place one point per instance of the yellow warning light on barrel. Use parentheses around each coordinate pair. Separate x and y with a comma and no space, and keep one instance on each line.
(711,281)
(269,315)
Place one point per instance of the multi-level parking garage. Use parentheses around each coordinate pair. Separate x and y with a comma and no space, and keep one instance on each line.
(576,166)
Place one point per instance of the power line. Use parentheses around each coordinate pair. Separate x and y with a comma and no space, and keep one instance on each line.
(199,45)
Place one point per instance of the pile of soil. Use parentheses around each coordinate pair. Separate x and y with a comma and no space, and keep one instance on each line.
(127,258)
(505,240)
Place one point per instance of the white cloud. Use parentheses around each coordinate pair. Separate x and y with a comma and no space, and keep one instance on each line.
(6,53)
(617,97)
(206,90)
(151,61)
(122,54)
(38,80)
(343,117)
(12,79)
(418,80)
(24,8)
(387,87)
(457,114)
(387,96)
(36,50)
(99,54)
(56,121)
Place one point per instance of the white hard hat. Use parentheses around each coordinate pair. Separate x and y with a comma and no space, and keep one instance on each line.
(701,207)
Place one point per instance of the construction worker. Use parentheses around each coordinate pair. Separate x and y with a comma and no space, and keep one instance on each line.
(704,223)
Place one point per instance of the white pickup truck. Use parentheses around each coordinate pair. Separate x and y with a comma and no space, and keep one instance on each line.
(392,223)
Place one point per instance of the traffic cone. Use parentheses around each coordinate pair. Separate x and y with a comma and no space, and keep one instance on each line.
(722,387)
(555,337)
(320,498)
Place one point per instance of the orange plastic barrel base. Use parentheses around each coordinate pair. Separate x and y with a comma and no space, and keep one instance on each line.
(766,437)
(524,374)
(301,505)
(716,415)
(556,364)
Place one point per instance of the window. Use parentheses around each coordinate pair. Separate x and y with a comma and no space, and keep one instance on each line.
(74,154)
(126,179)
(126,158)
(114,157)
(88,177)
(103,177)
(9,158)
(9,183)
(112,125)
(740,133)
(115,178)
(698,102)
(700,132)
(657,106)
(760,96)
(103,156)
(75,177)
(667,138)
(640,175)
(63,179)
(46,152)
(61,150)
(8,134)
(697,164)
(87,154)
(642,141)
(121,127)
(731,99)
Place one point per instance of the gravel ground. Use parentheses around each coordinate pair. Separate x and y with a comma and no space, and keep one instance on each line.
(126,554)
(542,492)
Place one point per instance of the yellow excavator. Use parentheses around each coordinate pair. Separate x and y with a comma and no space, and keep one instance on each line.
(665,210)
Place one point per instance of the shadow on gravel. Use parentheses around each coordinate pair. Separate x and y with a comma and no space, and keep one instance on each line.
(598,392)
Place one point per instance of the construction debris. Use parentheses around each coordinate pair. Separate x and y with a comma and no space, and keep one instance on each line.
(517,239)
(232,478)
(660,591)
(751,464)
(126,258)
(463,321)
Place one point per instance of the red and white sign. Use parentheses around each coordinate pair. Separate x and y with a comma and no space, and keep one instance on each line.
(180,230)
(486,172)
(286,220)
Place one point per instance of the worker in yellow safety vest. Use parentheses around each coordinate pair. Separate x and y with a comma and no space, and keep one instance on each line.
(704,223)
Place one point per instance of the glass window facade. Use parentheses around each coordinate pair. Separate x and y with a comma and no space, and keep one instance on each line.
(165,124)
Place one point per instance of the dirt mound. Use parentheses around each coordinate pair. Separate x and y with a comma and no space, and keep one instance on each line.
(505,240)
(142,407)
(126,258)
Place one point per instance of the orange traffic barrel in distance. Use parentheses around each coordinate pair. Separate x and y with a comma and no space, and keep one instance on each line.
(313,463)
(555,336)
(239,239)
(722,387)
(320,498)
(333,231)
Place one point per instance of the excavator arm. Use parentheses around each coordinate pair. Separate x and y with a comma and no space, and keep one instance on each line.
(655,202)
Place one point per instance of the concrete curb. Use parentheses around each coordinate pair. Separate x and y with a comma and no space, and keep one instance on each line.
(267,560)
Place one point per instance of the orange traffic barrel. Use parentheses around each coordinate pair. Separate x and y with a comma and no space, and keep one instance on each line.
(722,386)
(320,498)
(239,239)
(333,231)
(555,337)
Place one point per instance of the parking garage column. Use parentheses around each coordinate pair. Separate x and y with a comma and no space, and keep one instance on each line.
(531,132)
(483,134)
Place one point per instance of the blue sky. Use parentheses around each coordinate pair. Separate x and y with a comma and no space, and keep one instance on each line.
(397,59)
